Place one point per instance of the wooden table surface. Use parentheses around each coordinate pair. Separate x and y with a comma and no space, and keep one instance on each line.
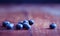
(43,16)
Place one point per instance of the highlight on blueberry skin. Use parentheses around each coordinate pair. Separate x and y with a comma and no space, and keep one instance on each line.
(25,21)
(19,26)
(5,23)
(31,22)
(10,26)
(53,26)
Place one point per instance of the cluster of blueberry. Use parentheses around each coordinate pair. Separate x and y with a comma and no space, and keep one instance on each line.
(26,24)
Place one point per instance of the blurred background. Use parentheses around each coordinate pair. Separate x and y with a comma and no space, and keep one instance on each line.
(43,12)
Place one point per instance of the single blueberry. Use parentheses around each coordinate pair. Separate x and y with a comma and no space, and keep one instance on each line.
(53,26)
(19,26)
(31,22)
(25,21)
(5,23)
(26,26)
(10,26)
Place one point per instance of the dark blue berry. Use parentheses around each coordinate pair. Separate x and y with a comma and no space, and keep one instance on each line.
(19,26)
(31,22)
(53,26)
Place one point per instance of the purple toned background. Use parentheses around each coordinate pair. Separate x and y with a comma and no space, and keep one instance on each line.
(43,16)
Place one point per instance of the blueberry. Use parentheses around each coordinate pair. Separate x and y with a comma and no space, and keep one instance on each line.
(19,26)
(5,23)
(31,22)
(10,26)
(26,26)
(25,21)
(53,26)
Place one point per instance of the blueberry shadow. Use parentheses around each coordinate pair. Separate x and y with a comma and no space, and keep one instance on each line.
(49,28)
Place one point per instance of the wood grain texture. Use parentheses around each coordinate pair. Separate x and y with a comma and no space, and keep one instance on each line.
(42,20)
